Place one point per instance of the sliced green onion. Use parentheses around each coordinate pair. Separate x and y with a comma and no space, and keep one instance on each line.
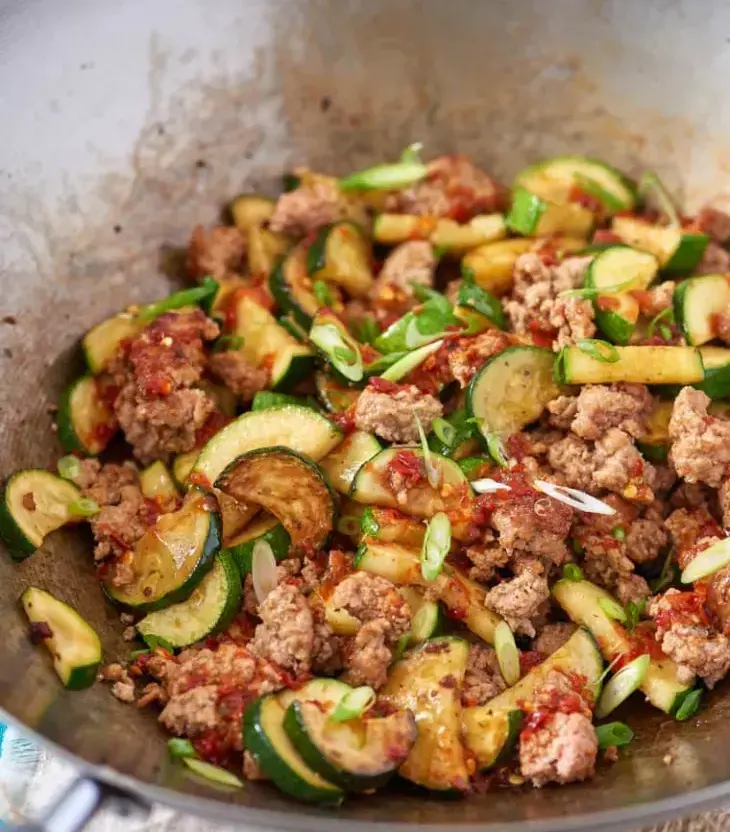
(69,467)
(614,735)
(634,611)
(690,705)
(652,189)
(416,337)
(481,301)
(412,153)
(366,330)
(84,507)
(401,646)
(341,350)
(155,642)
(432,472)
(496,449)
(665,331)
(592,188)
(471,465)
(436,545)
(612,609)
(263,569)
(710,560)
(488,486)
(323,293)
(179,748)
(445,431)
(622,685)
(211,772)
(468,275)
(619,533)
(354,704)
(508,656)
(228,343)
(573,497)
(667,576)
(385,177)
(665,316)
(599,350)
(596,686)
(177,300)
(348,525)
(135,654)
(384,362)
(409,361)
(576,546)
(572,572)
(368,524)
(591,292)
(434,299)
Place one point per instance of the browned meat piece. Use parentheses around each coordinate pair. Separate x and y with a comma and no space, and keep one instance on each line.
(216,253)
(659,298)
(553,636)
(370,597)
(124,514)
(693,495)
(718,599)
(369,655)
(606,562)
(599,407)
(483,679)
(687,636)
(562,750)
(122,683)
(470,354)
(688,526)
(487,557)
(646,537)
(392,415)
(192,712)
(158,406)
(411,262)
(715,260)
(238,374)
(723,496)
(313,204)
(700,448)
(713,222)
(520,600)
(534,299)
(454,188)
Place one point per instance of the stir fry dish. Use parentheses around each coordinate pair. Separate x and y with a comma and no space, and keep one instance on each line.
(421,475)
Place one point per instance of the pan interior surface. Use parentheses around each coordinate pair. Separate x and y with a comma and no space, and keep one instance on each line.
(126,124)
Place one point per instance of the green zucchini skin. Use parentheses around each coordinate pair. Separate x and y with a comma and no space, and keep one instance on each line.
(277,537)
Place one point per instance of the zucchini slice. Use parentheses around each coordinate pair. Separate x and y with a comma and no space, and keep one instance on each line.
(491,265)
(156,483)
(426,617)
(299,428)
(265,247)
(640,365)
(251,210)
(446,234)
(219,305)
(462,598)
(437,761)
(616,316)
(209,609)
(182,467)
(335,396)
(696,303)
(581,600)
(357,755)
(621,269)
(291,287)
(491,731)
(266,399)
(716,361)
(73,643)
(555,179)
(34,503)
(85,421)
(101,342)
(676,250)
(369,485)
(265,527)
(512,389)
(387,525)
(265,343)
(533,216)
(172,557)
(341,254)
(341,465)
(264,736)
(287,485)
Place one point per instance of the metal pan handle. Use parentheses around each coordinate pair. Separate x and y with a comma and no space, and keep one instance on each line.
(79,803)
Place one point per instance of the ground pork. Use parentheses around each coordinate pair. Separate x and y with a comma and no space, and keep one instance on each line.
(158,407)
(483,679)
(599,407)
(369,656)
(370,597)
(453,188)
(408,263)
(286,634)
(392,416)
(316,202)
(122,683)
(124,514)
(562,750)
(723,496)
(688,638)
(646,537)
(693,495)
(658,298)
(713,222)
(553,636)
(534,299)
(488,557)
(715,260)
(238,374)
(520,600)
(687,526)
(606,562)
(469,354)
(700,449)
(218,252)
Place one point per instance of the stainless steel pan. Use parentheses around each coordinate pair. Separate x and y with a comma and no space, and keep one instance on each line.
(125,123)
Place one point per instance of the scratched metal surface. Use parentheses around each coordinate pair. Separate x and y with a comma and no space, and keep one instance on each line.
(126,123)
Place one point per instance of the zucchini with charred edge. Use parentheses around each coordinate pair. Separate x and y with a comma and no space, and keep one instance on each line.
(676,250)
(265,527)
(341,254)
(172,557)
(210,608)
(697,303)
(341,465)
(533,216)
(581,600)
(427,682)
(34,503)
(73,643)
(357,755)
(85,421)
(638,365)
(287,485)
(491,731)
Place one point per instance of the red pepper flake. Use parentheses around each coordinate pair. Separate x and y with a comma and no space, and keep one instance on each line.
(40,631)
(529,660)
(382,385)
(405,470)
(345,420)
(607,303)
(196,478)
(642,642)
(542,336)
(605,236)
(586,200)
(684,608)
(212,425)
(448,681)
